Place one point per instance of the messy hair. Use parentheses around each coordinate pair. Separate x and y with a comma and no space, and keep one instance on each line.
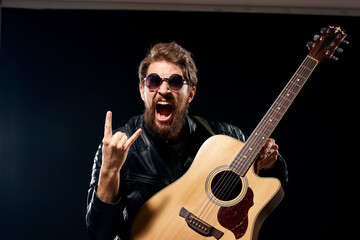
(173,53)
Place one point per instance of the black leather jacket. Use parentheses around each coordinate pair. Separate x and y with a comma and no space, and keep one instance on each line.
(150,166)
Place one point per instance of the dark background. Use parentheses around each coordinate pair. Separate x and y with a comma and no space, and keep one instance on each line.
(61,70)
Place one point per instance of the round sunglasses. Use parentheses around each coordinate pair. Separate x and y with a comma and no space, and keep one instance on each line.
(153,81)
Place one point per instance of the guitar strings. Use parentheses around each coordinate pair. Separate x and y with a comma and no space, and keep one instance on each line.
(282,98)
(234,178)
(292,87)
(221,181)
(289,87)
(225,179)
(217,187)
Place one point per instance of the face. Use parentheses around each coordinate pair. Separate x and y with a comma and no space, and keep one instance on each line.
(165,109)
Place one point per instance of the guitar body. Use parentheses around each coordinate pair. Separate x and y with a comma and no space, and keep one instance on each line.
(238,216)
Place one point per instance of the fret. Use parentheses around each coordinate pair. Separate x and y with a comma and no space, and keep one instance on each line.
(304,70)
(298,84)
(280,106)
(298,75)
(307,68)
(293,87)
(285,99)
(262,132)
(269,125)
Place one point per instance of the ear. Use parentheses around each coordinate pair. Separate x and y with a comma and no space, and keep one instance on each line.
(192,92)
(142,91)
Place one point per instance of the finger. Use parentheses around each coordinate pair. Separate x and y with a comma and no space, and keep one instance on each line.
(274,155)
(132,139)
(121,144)
(108,127)
(270,160)
(265,148)
(269,143)
(274,146)
(269,147)
(116,138)
(265,151)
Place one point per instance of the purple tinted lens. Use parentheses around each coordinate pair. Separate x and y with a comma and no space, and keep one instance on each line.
(175,82)
(153,81)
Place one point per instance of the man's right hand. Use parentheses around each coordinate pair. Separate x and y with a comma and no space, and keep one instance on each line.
(114,152)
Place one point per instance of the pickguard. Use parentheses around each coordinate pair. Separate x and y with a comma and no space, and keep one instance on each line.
(235,218)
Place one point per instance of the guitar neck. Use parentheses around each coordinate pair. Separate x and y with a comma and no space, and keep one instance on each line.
(262,132)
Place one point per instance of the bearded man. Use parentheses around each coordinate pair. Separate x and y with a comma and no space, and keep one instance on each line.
(156,148)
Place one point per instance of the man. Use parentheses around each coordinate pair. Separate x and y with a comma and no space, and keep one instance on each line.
(154,149)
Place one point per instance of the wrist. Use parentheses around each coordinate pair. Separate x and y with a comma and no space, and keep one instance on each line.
(109,173)
(108,185)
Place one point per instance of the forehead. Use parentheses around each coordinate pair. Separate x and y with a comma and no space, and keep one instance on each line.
(164,68)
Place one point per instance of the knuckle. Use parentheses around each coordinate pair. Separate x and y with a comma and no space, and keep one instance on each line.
(120,146)
(112,144)
(117,133)
(106,142)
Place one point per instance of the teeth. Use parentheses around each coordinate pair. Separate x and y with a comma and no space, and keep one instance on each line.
(164,103)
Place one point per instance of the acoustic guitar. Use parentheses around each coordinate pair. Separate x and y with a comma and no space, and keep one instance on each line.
(220,196)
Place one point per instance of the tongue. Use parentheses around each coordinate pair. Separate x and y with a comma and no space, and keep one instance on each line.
(164,110)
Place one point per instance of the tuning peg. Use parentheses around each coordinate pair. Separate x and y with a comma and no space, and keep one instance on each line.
(340,50)
(334,58)
(346,42)
(322,30)
(316,37)
(308,43)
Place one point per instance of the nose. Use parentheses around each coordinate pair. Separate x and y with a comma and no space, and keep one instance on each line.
(164,87)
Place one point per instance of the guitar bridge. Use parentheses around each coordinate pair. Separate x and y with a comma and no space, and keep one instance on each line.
(199,225)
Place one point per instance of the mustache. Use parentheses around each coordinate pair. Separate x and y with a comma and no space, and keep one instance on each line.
(169,98)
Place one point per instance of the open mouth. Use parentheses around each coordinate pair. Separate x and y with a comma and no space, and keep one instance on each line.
(163,111)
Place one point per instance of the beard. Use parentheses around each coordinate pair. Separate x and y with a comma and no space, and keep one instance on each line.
(167,130)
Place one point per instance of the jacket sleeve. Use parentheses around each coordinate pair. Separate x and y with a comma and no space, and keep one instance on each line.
(280,169)
(102,219)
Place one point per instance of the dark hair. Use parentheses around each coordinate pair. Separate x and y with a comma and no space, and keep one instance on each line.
(173,53)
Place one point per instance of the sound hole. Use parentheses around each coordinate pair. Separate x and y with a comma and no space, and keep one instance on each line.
(226,185)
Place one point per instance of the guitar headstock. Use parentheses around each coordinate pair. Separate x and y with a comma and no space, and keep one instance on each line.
(327,43)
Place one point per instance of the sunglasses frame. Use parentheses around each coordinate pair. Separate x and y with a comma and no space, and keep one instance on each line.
(164,79)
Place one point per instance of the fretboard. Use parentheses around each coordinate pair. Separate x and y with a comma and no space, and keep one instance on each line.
(262,132)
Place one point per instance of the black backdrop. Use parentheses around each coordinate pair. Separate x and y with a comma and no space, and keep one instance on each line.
(61,70)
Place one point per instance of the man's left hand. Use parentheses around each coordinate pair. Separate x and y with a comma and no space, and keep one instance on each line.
(268,155)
